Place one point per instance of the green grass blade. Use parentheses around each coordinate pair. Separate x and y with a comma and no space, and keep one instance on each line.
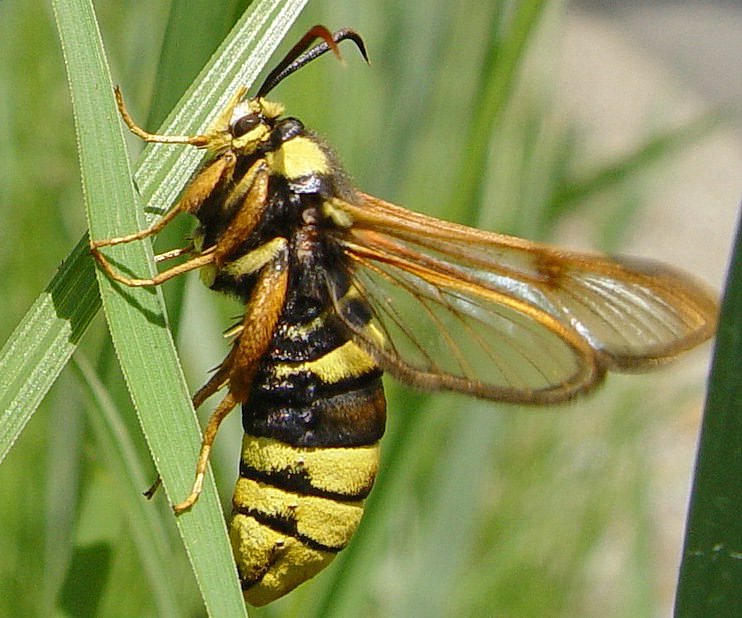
(43,342)
(117,450)
(710,582)
(136,317)
(657,148)
(194,30)
(45,339)
(509,38)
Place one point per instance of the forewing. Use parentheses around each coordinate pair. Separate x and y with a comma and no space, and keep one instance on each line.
(507,319)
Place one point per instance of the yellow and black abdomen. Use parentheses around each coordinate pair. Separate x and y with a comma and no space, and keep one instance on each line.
(310,451)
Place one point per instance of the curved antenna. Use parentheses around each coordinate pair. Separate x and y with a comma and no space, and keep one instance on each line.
(297,56)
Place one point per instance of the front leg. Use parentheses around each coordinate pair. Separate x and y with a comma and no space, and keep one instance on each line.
(251,191)
(204,185)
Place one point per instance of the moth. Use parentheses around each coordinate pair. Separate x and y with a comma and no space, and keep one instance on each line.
(339,286)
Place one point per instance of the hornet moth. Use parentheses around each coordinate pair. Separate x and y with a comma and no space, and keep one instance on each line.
(339,287)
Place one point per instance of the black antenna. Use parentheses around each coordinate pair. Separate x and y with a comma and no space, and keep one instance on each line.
(297,56)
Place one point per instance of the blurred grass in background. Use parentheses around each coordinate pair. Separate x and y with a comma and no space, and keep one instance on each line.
(479,509)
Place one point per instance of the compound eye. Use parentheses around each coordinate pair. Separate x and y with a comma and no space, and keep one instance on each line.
(245,124)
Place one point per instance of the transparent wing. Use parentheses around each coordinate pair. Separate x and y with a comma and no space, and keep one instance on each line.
(507,319)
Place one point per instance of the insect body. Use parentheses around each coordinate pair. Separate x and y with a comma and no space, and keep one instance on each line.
(339,285)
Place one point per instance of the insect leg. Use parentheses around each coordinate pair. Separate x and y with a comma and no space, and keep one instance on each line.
(209,140)
(238,369)
(204,184)
(149,494)
(150,231)
(190,202)
(173,253)
(212,427)
(250,212)
(207,257)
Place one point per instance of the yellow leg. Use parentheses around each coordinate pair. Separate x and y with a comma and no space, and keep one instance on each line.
(190,202)
(174,253)
(197,262)
(150,231)
(205,140)
(238,369)
(212,427)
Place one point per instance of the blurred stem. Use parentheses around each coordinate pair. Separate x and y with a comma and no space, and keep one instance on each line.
(655,150)
(509,40)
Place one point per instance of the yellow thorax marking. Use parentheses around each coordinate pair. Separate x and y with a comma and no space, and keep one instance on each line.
(298,157)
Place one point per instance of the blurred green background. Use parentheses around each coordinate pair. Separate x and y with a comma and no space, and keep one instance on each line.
(479,509)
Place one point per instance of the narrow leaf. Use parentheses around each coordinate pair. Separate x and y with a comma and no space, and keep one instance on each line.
(117,449)
(43,342)
(136,317)
(710,581)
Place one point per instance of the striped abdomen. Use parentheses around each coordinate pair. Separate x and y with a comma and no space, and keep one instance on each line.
(309,455)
